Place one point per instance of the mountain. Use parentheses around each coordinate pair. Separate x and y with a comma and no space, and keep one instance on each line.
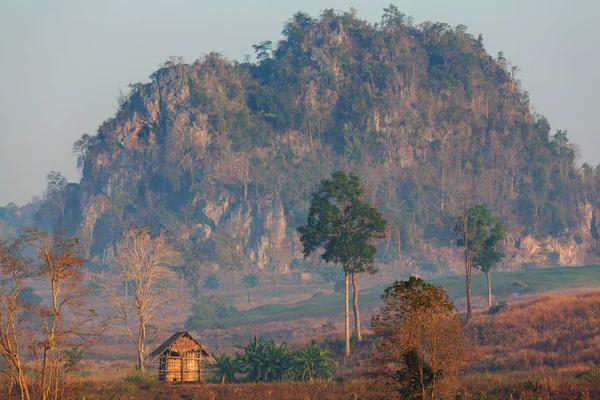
(225,155)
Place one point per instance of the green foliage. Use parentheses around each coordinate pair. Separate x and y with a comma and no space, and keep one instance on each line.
(332,275)
(264,361)
(335,93)
(313,362)
(138,377)
(479,233)
(210,308)
(410,372)
(498,308)
(225,369)
(343,224)
(392,17)
(263,50)
(250,279)
(211,282)
(301,265)
(73,357)
(327,306)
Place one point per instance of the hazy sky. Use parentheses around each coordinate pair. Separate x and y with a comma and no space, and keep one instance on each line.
(63,62)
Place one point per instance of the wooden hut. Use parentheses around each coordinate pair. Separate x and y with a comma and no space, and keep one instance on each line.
(180,358)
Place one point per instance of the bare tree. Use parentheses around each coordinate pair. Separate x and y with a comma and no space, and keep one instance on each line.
(66,319)
(144,260)
(14,269)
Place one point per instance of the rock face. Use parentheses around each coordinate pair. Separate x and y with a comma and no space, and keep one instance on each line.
(225,155)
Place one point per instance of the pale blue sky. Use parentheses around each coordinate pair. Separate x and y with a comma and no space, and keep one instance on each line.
(63,62)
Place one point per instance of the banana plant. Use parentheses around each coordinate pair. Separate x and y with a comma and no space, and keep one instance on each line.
(225,368)
(264,361)
(313,362)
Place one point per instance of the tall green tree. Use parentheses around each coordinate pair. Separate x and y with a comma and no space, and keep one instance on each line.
(479,233)
(345,227)
(490,255)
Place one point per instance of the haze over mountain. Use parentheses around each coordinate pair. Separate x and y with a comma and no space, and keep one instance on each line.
(68,61)
(225,155)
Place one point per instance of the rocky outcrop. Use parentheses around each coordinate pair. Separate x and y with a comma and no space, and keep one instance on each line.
(221,151)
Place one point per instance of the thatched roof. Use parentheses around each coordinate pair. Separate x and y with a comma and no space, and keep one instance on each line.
(166,346)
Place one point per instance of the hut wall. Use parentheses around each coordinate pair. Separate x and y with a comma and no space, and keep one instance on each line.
(183,369)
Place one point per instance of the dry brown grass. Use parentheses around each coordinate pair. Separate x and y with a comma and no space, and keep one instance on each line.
(278,390)
(551,331)
(546,347)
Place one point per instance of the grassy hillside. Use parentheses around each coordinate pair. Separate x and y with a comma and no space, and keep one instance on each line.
(544,348)
(331,305)
(556,331)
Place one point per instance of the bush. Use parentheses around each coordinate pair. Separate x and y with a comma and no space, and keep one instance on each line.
(138,377)
(409,357)
(210,308)
(264,361)
(333,275)
(211,282)
(313,362)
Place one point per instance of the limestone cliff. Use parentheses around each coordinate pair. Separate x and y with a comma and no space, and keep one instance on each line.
(225,155)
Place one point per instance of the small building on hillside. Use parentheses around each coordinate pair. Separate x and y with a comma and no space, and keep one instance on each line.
(180,358)
(302,276)
(520,287)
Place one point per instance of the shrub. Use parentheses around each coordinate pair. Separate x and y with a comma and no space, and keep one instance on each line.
(420,340)
(138,377)
(211,282)
(210,308)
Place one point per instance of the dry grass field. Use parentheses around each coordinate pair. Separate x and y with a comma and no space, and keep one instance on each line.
(539,346)
(544,348)
(551,331)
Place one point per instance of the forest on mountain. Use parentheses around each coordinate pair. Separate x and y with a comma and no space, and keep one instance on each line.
(224,155)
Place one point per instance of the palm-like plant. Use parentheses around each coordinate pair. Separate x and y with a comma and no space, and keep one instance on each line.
(250,280)
(313,362)
(265,361)
(225,368)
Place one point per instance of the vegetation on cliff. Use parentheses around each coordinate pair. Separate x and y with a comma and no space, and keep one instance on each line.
(221,152)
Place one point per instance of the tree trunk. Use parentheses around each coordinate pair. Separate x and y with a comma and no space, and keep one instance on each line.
(196,289)
(248,295)
(347,315)
(23,387)
(467,276)
(233,281)
(141,347)
(468,287)
(355,306)
(399,247)
(488,273)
